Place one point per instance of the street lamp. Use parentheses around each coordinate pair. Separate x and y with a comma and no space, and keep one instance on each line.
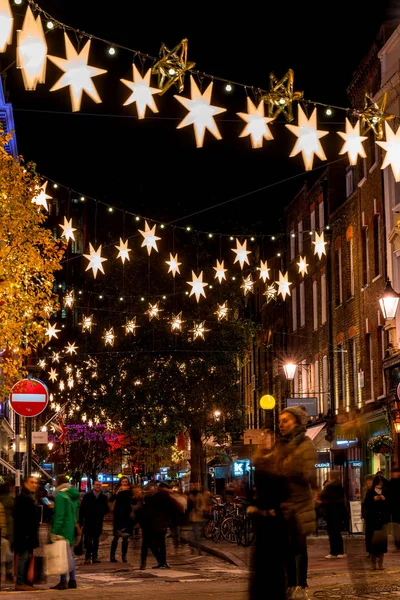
(290,370)
(389,301)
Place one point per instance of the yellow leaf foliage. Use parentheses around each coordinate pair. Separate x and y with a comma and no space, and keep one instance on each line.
(29,256)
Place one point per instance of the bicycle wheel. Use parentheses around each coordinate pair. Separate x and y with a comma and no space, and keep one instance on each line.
(247,533)
(228,530)
(209,527)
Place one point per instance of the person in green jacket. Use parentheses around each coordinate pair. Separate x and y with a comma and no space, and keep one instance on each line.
(64,524)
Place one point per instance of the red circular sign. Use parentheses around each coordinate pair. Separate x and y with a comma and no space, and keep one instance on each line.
(29,397)
(398,391)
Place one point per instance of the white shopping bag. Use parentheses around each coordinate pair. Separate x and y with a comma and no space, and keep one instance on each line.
(56,558)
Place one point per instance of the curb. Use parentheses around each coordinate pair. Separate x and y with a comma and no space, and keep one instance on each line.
(223,554)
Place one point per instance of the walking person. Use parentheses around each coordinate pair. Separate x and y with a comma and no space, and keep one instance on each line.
(296,458)
(394,489)
(122,519)
(93,509)
(368,485)
(196,508)
(7,501)
(26,525)
(333,506)
(64,524)
(376,508)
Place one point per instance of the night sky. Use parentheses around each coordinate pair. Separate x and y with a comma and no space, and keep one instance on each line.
(148,166)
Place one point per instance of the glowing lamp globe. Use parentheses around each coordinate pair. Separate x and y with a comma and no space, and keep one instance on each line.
(267,402)
(389,301)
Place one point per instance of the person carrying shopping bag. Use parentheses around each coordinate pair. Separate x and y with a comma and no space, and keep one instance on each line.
(65,525)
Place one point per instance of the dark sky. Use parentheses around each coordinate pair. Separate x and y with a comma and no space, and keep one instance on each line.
(148,166)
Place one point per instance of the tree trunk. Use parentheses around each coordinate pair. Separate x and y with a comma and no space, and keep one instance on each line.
(197,458)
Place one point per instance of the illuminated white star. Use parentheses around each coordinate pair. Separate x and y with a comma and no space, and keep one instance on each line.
(270,292)
(32,50)
(220,271)
(68,230)
(283,285)
(302,264)
(154,311)
(222,311)
(55,357)
(319,244)
(392,148)
(6,24)
(109,337)
(42,363)
(123,249)
(71,348)
(247,285)
(69,299)
(308,138)
(197,285)
(70,383)
(176,322)
(173,264)
(256,127)
(95,260)
(264,270)
(87,323)
(131,326)
(142,93)
(41,198)
(353,142)
(77,74)
(241,253)
(149,238)
(51,331)
(199,330)
(201,112)
(61,385)
(53,375)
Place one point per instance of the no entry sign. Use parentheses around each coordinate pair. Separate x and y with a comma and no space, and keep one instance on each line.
(29,397)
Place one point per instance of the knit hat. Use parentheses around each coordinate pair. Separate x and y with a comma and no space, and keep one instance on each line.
(298,413)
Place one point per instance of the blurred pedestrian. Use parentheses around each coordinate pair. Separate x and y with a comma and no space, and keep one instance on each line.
(7,501)
(394,489)
(296,458)
(158,514)
(122,518)
(376,507)
(64,524)
(26,525)
(333,507)
(94,507)
(196,509)
(368,485)
(137,501)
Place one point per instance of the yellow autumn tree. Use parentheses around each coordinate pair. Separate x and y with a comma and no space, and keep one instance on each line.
(29,257)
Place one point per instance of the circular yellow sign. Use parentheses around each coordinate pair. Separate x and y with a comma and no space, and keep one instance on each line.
(267,402)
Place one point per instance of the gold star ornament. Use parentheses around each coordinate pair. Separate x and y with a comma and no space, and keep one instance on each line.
(303,266)
(256,124)
(123,250)
(319,244)
(197,285)
(199,330)
(41,198)
(68,230)
(109,337)
(220,271)
(31,50)
(264,270)
(281,96)
(222,311)
(176,323)
(173,264)
(51,331)
(154,311)
(352,142)
(77,74)
(172,66)
(308,138)
(201,112)
(283,285)
(131,326)
(53,375)
(247,285)
(373,116)
(241,253)
(6,24)
(142,93)
(69,299)
(95,260)
(71,348)
(392,149)
(87,323)
(149,238)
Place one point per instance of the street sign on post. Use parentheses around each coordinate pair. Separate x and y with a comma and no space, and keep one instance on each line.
(40,437)
(29,397)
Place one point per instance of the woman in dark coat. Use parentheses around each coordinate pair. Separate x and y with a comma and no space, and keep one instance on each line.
(122,518)
(376,511)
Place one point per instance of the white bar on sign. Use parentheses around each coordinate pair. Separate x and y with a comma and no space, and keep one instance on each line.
(28,398)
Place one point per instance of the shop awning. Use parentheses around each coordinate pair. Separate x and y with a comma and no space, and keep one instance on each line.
(312,432)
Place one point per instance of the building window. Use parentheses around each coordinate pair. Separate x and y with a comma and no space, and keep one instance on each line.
(325,384)
(302,305)
(362,170)
(338,276)
(312,220)
(370,365)
(323,299)
(292,244)
(294,309)
(315,304)
(352,366)
(304,378)
(300,235)
(377,245)
(350,279)
(321,215)
(349,181)
(316,386)
(340,378)
(365,261)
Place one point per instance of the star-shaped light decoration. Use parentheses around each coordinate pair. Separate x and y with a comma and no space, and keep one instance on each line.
(392,148)
(319,244)
(131,326)
(71,348)
(48,309)
(154,311)
(247,285)
(270,292)
(123,250)
(68,230)
(68,369)
(173,264)
(281,96)
(176,323)
(373,116)
(256,126)
(87,323)
(302,264)
(77,73)
(241,253)
(70,382)
(353,142)
(61,385)
(283,285)
(308,138)
(201,112)
(220,271)
(172,66)
(199,330)
(53,375)
(149,238)
(6,24)
(31,50)
(197,285)
(41,198)
(222,311)
(69,299)
(42,363)
(51,331)
(55,357)
(95,260)
(142,93)
(109,337)
(264,270)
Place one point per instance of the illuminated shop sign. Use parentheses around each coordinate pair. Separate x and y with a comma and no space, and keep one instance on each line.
(326,465)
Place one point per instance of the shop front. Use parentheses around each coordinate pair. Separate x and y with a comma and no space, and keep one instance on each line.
(347,458)
(323,465)
(373,424)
